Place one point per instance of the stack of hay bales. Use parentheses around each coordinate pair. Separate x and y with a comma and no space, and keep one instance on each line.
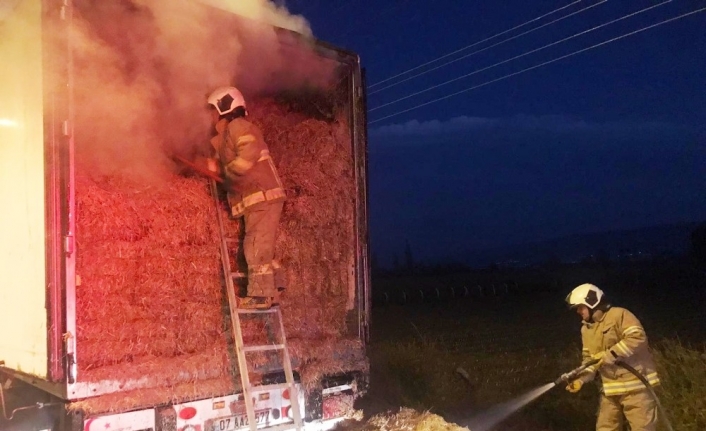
(316,242)
(151,302)
(149,269)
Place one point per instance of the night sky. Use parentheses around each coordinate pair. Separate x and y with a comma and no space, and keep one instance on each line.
(611,138)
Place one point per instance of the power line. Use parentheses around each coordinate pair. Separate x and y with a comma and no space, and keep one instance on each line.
(542,64)
(488,47)
(470,46)
(521,55)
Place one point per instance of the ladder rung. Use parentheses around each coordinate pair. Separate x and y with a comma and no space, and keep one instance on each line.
(281,427)
(237,274)
(265,388)
(256,311)
(263,347)
(230,239)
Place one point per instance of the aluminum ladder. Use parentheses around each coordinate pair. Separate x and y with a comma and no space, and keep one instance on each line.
(242,350)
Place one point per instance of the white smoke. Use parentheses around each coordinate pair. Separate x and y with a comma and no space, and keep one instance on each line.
(144,69)
(264,11)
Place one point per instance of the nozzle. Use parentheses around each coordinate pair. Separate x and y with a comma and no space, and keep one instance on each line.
(571,375)
(564,378)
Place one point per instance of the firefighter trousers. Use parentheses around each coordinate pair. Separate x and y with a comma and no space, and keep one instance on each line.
(639,408)
(264,273)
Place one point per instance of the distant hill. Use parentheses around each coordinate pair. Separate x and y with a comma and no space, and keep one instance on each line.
(648,241)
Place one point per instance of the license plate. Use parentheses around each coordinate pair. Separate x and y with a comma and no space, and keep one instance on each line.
(235,422)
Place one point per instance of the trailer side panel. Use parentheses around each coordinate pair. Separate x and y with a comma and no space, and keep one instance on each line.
(23,316)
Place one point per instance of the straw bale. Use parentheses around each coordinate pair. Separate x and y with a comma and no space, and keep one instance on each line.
(115,209)
(151,300)
(208,362)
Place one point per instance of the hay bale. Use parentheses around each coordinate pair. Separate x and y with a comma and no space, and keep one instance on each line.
(151,298)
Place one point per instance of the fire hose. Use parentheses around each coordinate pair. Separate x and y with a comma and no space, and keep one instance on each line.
(571,375)
(650,390)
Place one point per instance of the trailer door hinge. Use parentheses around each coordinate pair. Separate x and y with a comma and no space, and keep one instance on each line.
(69,244)
(65,128)
(71,366)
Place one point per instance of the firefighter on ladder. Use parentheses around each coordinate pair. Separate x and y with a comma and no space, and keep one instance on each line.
(254,191)
(612,334)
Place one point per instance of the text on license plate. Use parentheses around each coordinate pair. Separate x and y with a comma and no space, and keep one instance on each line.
(240,421)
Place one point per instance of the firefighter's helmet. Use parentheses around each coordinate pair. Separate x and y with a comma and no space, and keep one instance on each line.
(226,99)
(585,294)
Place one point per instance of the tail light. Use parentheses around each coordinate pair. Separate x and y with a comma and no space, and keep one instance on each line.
(187,413)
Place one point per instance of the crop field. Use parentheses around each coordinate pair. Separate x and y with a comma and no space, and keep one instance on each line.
(522,336)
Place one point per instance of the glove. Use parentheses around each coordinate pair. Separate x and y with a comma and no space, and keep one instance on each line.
(604,358)
(574,386)
(212,165)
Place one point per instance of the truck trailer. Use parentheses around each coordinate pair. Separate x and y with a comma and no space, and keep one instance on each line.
(114,311)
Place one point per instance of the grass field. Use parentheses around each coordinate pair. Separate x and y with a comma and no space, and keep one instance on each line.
(514,341)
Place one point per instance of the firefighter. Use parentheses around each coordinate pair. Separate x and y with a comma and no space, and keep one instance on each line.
(254,191)
(613,335)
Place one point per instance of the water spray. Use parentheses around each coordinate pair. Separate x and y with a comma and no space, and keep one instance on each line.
(497,414)
(488,419)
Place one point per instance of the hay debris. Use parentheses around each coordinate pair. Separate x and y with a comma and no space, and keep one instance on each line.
(327,356)
(409,420)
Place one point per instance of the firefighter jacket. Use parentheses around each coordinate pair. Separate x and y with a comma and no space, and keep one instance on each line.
(618,332)
(250,174)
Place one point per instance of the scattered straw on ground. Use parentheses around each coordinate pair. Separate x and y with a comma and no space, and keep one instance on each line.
(405,420)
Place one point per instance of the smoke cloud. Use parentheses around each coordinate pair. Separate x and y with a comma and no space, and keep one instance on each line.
(143,70)
(265,11)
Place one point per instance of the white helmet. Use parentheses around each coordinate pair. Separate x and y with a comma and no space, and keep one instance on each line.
(586,294)
(226,99)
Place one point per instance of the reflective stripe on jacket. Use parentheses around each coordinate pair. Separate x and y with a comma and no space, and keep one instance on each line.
(250,174)
(620,333)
